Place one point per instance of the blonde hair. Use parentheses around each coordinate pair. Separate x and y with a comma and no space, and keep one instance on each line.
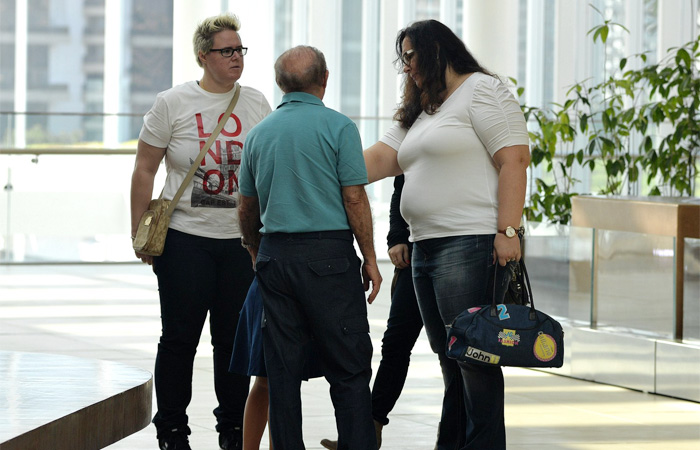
(203,39)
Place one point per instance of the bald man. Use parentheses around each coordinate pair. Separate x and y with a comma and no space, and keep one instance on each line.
(303,203)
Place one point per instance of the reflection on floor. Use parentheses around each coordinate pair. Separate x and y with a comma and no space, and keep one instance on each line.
(111,312)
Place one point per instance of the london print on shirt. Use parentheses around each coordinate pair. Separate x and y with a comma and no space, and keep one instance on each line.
(216,187)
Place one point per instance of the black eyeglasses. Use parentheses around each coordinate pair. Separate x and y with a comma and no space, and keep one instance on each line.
(406,57)
(228,51)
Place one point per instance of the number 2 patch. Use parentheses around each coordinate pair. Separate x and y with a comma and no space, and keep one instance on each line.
(503,312)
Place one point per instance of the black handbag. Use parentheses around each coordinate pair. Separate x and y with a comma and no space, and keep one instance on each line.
(506,334)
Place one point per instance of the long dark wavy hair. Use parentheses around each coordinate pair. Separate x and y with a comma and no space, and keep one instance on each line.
(435,47)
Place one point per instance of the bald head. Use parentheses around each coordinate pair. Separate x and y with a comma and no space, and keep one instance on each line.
(301,69)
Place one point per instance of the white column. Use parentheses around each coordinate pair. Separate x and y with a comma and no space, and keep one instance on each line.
(187,14)
(324,25)
(677,24)
(406,13)
(257,21)
(113,72)
(21,24)
(300,22)
(491,34)
(448,13)
(369,95)
(389,93)
(572,46)
(535,57)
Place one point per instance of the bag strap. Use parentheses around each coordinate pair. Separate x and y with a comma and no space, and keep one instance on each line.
(526,285)
(205,148)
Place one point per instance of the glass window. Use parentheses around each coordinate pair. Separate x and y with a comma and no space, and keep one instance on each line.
(7,15)
(154,17)
(351,84)
(37,66)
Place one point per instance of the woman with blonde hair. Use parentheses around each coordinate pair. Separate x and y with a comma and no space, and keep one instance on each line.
(203,269)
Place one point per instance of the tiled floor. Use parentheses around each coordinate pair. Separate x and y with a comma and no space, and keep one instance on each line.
(111,312)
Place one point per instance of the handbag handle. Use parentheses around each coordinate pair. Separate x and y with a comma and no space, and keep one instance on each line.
(203,151)
(527,287)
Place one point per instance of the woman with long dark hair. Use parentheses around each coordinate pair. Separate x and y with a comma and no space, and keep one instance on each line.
(461,141)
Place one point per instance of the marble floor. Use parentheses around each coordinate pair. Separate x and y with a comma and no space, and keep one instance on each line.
(111,312)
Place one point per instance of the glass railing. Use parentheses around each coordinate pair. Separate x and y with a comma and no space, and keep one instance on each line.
(634,292)
(68,202)
(65,199)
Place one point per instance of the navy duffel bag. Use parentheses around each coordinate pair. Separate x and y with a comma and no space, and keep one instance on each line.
(506,335)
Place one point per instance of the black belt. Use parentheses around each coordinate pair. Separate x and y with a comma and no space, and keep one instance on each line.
(333,234)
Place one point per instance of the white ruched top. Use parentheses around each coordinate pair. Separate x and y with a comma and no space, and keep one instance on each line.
(451,180)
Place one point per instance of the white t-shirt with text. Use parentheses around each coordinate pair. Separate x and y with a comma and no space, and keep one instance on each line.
(181,120)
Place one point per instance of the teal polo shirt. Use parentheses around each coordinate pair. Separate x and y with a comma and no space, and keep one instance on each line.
(296,160)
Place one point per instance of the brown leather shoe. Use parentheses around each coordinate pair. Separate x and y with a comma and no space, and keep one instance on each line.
(333,445)
(330,445)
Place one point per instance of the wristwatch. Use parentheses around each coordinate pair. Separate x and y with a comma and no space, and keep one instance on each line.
(509,232)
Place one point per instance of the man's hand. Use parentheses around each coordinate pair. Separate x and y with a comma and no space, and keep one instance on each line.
(253,251)
(370,273)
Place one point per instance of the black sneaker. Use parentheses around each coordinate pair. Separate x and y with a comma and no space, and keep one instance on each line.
(231,439)
(174,439)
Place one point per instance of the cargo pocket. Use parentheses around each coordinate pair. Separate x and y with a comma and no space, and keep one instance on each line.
(354,324)
(355,334)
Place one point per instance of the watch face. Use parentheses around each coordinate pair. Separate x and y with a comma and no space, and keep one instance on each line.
(510,232)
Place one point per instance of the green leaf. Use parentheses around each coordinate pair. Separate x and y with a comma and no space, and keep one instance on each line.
(604,30)
(682,55)
(608,146)
(633,174)
(623,63)
(627,116)
(591,147)
(564,117)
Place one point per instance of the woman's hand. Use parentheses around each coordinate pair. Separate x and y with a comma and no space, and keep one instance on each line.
(147,259)
(148,160)
(399,256)
(506,249)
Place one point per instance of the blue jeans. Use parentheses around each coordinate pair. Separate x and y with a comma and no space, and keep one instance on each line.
(312,289)
(450,275)
(402,330)
(196,276)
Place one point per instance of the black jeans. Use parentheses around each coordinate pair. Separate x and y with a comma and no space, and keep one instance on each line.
(196,276)
(402,330)
(312,289)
